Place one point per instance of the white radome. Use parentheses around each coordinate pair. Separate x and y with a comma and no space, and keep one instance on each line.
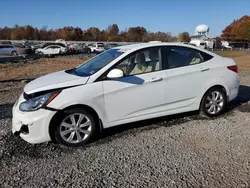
(202,28)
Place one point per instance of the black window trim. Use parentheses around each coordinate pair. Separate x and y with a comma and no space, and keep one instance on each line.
(6,46)
(103,76)
(165,50)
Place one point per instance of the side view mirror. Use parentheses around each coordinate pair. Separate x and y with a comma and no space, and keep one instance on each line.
(115,73)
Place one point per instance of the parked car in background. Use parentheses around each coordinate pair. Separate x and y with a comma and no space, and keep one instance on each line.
(52,43)
(74,48)
(192,44)
(43,45)
(36,46)
(79,48)
(8,50)
(122,85)
(89,44)
(6,42)
(110,45)
(51,50)
(97,47)
(23,49)
(61,41)
(86,49)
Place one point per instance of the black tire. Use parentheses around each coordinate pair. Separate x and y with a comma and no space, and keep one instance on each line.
(40,53)
(14,53)
(51,55)
(57,135)
(220,107)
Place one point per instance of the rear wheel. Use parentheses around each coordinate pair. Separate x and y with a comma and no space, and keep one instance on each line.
(214,102)
(75,128)
(14,53)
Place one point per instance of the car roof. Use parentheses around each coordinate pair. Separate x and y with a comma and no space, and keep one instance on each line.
(138,46)
(9,45)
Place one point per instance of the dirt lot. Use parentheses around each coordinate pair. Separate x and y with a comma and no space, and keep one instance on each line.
(176,151)
(33,69)
(242,58)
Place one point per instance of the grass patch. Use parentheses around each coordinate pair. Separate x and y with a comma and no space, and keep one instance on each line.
(242,58)
(231,53)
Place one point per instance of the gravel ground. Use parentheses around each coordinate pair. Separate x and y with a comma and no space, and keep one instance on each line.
(176,151)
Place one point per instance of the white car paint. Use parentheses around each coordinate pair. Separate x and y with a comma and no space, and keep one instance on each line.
(52,50)
(127,99)
(62,80)
(97,47)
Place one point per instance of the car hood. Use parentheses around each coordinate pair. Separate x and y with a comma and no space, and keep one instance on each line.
(55,80)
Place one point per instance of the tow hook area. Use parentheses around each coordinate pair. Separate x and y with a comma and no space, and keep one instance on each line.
(24,130)
(17,133)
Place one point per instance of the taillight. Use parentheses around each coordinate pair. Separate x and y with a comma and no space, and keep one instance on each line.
(233,68)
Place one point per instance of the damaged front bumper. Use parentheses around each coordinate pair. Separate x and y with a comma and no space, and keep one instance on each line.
(33,127)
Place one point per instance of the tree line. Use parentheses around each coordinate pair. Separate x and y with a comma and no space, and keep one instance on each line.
(238,30)
(112,33)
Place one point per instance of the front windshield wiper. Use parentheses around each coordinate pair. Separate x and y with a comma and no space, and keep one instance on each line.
(79,73)
(73,71)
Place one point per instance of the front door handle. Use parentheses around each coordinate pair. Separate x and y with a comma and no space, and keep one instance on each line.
(156,79)
(203,70)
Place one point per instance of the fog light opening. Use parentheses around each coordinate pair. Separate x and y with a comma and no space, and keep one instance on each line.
(24,129)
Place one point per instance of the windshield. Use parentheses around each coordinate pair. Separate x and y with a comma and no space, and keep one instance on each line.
(97,63)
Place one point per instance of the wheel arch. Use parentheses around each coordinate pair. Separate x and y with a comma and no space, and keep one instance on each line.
(59,113)
(215,86)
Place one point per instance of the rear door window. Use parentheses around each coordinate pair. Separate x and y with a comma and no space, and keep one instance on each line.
(177,56)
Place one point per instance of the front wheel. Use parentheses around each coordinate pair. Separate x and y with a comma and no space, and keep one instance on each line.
(76,127)
(214,102)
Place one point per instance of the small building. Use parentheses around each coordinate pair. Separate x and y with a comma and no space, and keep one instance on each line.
(201,37)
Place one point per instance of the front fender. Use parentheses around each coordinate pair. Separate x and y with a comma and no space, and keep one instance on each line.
(90,95)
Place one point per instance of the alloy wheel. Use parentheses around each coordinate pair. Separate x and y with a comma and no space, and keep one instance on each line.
(75,128)
(214,102)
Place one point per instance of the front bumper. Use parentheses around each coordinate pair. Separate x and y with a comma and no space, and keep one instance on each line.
(33,127)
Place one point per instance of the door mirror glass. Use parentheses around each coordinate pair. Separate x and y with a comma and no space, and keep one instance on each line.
(115,73)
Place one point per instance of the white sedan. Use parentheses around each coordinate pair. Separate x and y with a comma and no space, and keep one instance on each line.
(122,85)
(51,50)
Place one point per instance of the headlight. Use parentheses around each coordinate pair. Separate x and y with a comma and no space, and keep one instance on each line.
(38,102)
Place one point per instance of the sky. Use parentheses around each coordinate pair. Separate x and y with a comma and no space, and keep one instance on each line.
(172,16)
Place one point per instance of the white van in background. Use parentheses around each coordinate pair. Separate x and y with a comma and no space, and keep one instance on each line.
(199,43)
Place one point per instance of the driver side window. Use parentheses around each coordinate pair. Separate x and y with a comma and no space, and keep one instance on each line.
(143,61)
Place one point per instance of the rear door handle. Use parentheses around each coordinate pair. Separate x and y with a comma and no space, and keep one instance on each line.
(156,79)
(203,70)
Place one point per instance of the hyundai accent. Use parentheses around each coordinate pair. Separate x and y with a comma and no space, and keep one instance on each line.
(122,85)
